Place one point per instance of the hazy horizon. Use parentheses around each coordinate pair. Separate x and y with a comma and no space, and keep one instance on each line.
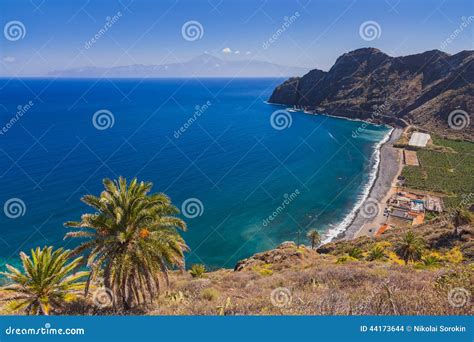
(53,35)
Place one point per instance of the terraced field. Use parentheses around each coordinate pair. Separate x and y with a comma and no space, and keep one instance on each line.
(447,167)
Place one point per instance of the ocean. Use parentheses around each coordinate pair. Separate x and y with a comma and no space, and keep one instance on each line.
(250,175)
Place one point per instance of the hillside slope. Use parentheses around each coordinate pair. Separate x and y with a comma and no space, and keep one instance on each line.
(296,280)
(421,89)
(291,280)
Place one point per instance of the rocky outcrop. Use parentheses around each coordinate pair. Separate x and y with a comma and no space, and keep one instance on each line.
(421,89)
(285,253)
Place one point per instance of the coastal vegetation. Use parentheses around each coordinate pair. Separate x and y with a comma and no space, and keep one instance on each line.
(313,283)
(131,250)
(47,282)
(132,240)
(314,238)
(376,253)
(410,247)
(446,167)
(197,270)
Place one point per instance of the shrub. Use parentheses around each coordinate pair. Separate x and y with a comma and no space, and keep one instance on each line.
(355,253)
(376,253)
(197,270)
(47,281)
(209,294)
(432,259)
(454,256)
(393,257)
(175,296)
(263,270)
(383,244)
(345,258)
(458,277)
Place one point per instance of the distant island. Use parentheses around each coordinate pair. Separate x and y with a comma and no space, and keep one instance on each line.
(204,65)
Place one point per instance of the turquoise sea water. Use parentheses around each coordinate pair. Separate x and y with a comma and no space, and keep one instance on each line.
(207,139)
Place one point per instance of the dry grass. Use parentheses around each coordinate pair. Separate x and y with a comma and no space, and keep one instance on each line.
(303,282)
(318,285)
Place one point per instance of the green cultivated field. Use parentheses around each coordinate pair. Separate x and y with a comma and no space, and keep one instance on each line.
(449,171)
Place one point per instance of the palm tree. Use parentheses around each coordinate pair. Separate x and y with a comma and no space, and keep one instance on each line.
(410,247)
(314,238)
(355,252)
(376,253)
(431,260)
(133,239)
(46,283)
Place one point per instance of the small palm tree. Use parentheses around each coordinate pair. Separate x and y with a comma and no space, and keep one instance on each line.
(314,237)
(197,270)
(133,239)
(355,253)
(46,283)
(410,247)
(431,260)
(376,253)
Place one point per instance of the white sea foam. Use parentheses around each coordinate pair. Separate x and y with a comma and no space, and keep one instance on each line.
(334,231)
(346,222)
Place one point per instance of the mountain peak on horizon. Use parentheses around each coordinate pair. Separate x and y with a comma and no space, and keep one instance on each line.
(202,65)
(205,57)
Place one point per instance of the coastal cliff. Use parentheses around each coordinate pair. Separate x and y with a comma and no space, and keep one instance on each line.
(421,89)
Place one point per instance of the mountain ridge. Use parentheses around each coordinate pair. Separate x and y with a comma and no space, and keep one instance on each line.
(203,65)
(421,89)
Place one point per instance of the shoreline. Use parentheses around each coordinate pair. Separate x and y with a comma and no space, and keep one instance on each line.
(345,229)
(389,168)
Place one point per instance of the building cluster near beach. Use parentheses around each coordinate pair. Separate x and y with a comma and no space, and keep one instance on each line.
(406,208)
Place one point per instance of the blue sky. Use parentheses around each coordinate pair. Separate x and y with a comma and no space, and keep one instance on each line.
(149,32)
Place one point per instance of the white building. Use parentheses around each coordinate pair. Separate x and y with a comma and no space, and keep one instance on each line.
(419,139)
